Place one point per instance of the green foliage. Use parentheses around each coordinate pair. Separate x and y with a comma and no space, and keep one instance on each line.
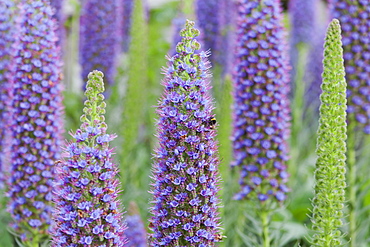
(328,203)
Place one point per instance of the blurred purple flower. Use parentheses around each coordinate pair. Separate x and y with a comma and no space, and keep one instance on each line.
(177,24)
(88,211)
(354,18)
(136,233)
(37,125)
(185,177)
(226,37)
(126,23)
(261,105)
(208,22)
(60,18)
(100,37)
(303,20)
(9,29)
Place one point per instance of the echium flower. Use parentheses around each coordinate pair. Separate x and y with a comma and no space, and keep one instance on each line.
(88,211)
(261,106)
(60,18)
(126,23)
(185,187)
(136,234)
(328,203)
(354,18)
(100,37)
(226,35)
(37,125)
(208,22)
(302,18)
(9,29)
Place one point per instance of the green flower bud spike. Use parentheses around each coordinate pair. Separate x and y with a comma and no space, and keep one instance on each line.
(328,203)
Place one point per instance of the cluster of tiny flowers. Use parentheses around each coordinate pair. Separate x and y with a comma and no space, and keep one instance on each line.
(330,174)
(261,107)
(126,23)
(8,47)
(185,210)
(88,212)
(136,233)
(100,37)
(354,18)
(59,17)
(36,124)
(208,22)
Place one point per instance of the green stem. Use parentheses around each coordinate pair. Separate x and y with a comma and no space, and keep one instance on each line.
(351,165)
(265,228)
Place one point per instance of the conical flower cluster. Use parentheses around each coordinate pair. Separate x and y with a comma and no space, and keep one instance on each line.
(9,29)
(88,211)
(354,18)
(100,37)
(185,210)
(37,124)
(328,203)
(261,106)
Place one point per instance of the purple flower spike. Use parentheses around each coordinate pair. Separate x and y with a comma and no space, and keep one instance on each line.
(37,125)
(135,232)
(100,37)
(303,18)
(87,208)
(60,18)
(208,22)
(261,106)
(9,29)
(126,23)
(185,187)
(226,35)
(354,18)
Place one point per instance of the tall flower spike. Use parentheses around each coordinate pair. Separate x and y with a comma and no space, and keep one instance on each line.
(354,18)
(185,187)
(126,23)
(207,15)
(9,30)
(37,125)
(329,199)
(60,18)
(226,35)
(135,232)
(261,106)
(88,211)
(100,37)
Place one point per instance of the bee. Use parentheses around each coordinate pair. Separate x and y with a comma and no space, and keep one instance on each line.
(80,213)
(110,191)
(151,225)
(212,122)
(218,237)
